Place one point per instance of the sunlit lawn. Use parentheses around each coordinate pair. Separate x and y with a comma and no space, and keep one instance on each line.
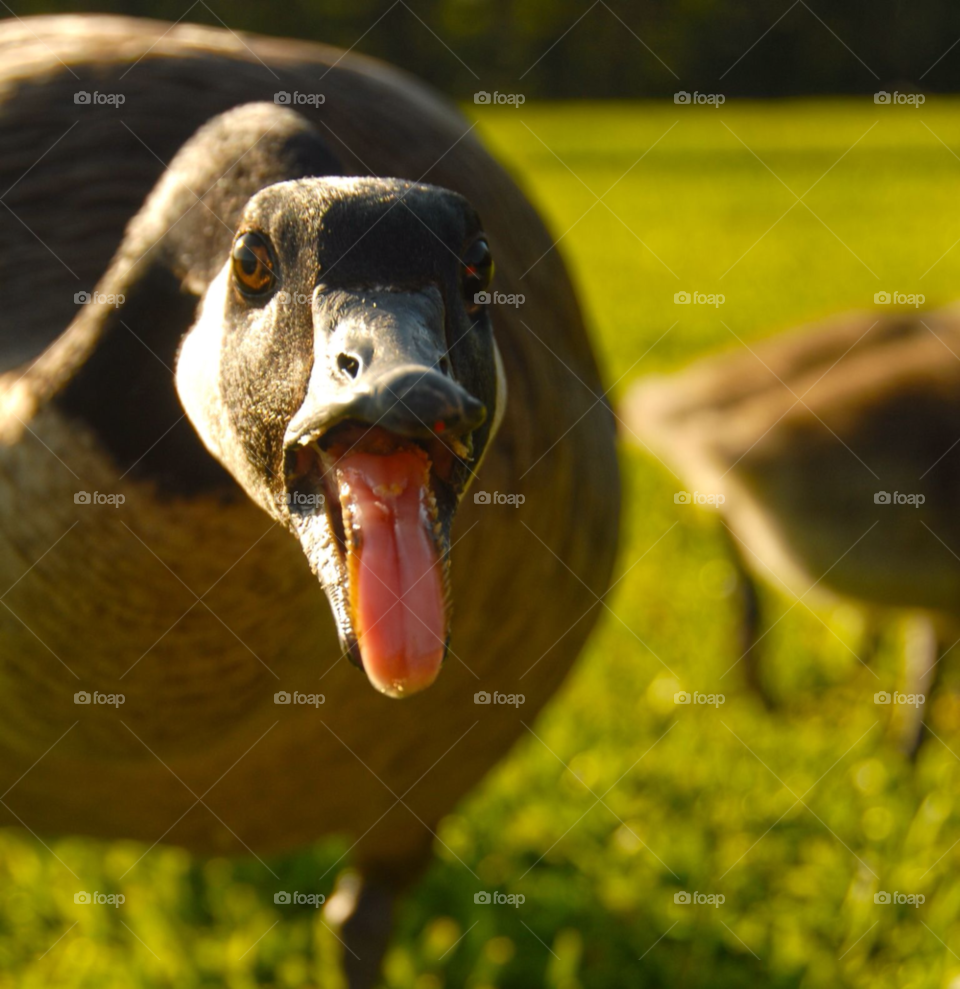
(696,799)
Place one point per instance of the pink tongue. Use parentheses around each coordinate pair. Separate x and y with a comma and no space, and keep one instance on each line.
(396,586)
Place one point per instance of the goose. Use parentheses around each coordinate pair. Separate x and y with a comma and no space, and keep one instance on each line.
(283,375)
(830,453)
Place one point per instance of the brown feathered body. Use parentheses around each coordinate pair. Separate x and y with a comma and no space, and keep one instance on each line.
(97,599)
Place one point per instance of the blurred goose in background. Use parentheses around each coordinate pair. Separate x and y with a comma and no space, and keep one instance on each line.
(285,380)
(836,449)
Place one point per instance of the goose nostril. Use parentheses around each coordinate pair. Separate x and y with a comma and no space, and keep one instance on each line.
(445,365)
(348,364)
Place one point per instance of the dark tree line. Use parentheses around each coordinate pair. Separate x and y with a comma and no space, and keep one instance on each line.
(617,48)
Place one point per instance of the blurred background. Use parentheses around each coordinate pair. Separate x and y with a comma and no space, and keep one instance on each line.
(648,198)
(591,54)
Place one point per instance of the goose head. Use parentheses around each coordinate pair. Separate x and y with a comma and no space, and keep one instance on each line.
(342,367)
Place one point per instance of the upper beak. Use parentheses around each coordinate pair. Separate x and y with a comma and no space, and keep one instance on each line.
(411,400)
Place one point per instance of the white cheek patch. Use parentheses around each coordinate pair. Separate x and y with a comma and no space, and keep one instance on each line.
(198,386)
(198,370)
(498,412)
(501,406)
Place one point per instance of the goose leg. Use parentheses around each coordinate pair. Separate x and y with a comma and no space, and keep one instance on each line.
(750,622)
(924,648)
(871,638)
(361,913)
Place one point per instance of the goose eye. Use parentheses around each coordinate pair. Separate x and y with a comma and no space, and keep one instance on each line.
(476,274)
(252,263)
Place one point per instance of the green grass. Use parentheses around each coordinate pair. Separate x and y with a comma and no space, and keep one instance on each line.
(699,799)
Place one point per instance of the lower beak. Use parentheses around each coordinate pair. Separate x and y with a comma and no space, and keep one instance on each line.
(388,466)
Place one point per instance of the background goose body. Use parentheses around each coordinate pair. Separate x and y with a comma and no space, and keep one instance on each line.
(112,606)
(810,438)
(802,433)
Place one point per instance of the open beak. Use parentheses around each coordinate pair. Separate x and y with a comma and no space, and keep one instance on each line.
(376,461)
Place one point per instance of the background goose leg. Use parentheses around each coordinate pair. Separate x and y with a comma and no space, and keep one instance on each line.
(924,647)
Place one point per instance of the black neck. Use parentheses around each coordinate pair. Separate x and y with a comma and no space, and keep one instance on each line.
(122,386)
